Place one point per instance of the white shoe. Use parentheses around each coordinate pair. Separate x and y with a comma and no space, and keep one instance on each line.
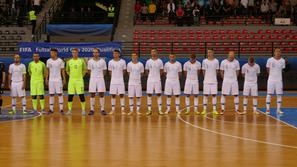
(167,111)
(69,112)
(256,113)
(83,113)
(138,112)
(130,113)
(111,112)
(178,112)
(267,112)
(279,111)
(123,113)
(43,112)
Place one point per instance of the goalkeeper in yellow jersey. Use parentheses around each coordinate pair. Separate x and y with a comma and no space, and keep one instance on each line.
(76,69)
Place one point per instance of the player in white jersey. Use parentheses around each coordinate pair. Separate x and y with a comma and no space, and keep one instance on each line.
(173,70)
(275,66)
(135,70)
(117,68)
(191,70)
(97,69)
(250,71)
(154,69)
(17,83)
(210,68)
(55,79)
(229,72)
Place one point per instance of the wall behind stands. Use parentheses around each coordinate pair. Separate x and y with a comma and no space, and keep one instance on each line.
(290,76)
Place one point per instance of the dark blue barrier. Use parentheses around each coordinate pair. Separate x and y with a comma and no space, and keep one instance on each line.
(79,29)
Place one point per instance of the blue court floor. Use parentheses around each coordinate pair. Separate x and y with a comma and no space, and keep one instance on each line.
(289,116)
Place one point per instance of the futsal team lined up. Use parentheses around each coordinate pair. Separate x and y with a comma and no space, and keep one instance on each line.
(53,75)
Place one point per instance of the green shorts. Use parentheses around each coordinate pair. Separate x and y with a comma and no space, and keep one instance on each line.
(36,87)
(76,87)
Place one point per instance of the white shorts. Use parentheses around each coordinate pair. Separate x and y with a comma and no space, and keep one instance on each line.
(275,87)
(152,87)
(117,89)
(97,85)
(250,89)
(210,89)
(172,88)
(16,89)
(230,88)
(191,88)
(134,90)
(55,87)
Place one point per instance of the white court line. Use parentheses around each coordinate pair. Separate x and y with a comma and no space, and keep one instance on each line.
(278,120)
(15,120)
(232,136)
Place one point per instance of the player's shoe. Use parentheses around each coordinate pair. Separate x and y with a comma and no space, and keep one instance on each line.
(267,112)
(222,112)
(83,113)
(50,112)
(91,112)
(43,112)
(203,112)
(166,112)
(103,112)
(24,112)
(12,112)
(279,111)
(178,112)
(215,112)
(238,112)
(196,112)
(62,112)
(138,112)
(187,112)
(33,112)
(148,113)
(123,112)
(244,112)
(130,113)
(256,112)
(69,112)
(111,112)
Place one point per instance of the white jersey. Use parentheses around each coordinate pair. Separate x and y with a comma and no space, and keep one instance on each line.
(117,71)
(210,68)
(17,72)
(230,70)
(250,73)
(172,70)
(97,68)
(192,70)
(275,69)
(154,67)
(135,71)
(55,67)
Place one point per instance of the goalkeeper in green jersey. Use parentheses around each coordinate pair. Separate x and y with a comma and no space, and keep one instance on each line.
(76,69)
(36,71)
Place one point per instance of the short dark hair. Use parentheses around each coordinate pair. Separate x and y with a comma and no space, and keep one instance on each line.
(97,49)
(54,50)
(116,50)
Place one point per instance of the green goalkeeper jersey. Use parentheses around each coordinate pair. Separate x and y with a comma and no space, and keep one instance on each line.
(36,70)
(76,69)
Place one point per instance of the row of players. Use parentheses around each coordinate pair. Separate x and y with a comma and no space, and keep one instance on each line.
(53,74)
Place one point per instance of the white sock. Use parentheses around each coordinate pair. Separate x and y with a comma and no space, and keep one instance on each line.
(13,103)
(236,102)
(92,101)
(61,102)
(122,103)
(112,103)
(24,103)
(279,102)
(196,103)
(159,101)
(138,103)
(177,103)
(101,103)
(255,103)
(214,102)
(131,104)
(149,102)
(204,102)
(168,103)
(223,102)
(245,101)
(51,103)
(268,99)
(187,101)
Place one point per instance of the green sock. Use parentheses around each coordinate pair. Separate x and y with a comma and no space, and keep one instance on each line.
(42,104)
(34,103)
(69,106)
(83,105)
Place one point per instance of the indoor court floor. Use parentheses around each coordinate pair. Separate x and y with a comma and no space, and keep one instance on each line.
(158,141)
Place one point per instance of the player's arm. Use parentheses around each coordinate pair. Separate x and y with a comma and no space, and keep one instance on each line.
(44,71)
(180,72)
(29,69)
(67,68)
(63,76)
(109,68)
(9,80)
(3,75)
(84,67)
(24,81)
(47,75)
